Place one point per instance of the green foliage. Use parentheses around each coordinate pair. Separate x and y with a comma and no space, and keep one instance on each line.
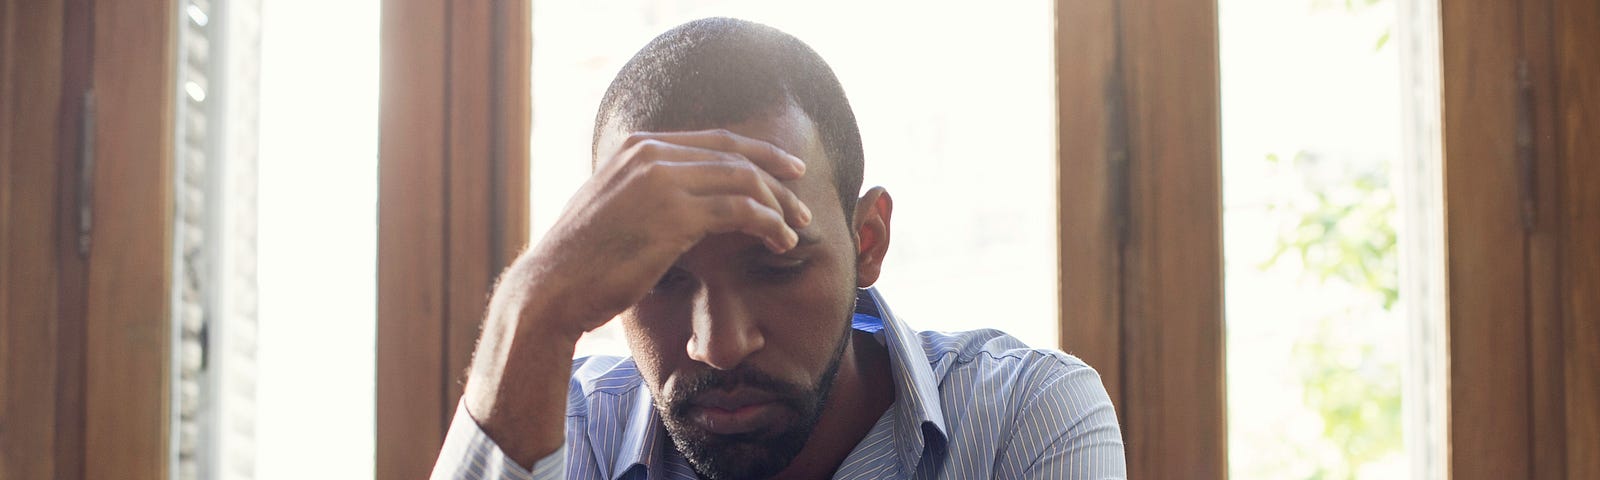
(1342,233)
(1346,233)
(1340,230)
(1383,39)
(1359,401)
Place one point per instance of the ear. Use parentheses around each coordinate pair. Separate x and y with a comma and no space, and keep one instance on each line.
(871,225)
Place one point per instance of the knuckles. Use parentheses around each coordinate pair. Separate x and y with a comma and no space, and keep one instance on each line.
(644,149)
(636,138)
(726,140)
(731,207)
(740,171)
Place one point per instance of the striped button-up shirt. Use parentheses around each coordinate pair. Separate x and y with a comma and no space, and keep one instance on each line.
(968,405)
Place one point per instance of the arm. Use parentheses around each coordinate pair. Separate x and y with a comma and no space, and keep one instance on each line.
(643,208)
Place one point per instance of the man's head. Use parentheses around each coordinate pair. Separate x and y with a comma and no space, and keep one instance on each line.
(738,345)
(715,72)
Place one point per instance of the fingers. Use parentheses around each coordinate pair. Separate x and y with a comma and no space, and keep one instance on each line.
(740,177)
(769,157)
(703,171)
(739,213)
(733,181)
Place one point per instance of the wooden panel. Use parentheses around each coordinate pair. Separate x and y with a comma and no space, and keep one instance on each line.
(1091,132)
(128,322)
(6,96)
(1489,343)
(72,296)
(513,113)
(1140,222)
(411,237)
(1525,359)
(30,85)
(1173,299)
(1545,264)
(487,164)
(1578,80)
(453,206)
(470,275)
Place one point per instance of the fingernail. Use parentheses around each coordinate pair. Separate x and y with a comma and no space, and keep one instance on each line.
(800,165)
(794,239)
(805,215)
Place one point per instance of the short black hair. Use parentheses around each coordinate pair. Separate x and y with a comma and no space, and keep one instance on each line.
(714,72)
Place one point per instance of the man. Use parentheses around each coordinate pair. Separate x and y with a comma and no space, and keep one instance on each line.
(722,227)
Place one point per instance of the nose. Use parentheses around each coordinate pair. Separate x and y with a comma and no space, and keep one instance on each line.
(724,330)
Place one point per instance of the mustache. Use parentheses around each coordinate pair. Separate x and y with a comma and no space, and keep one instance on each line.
(785,393)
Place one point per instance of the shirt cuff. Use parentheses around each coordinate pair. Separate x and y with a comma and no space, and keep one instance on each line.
(469,454)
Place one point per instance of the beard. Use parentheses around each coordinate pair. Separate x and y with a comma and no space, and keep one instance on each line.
(757,454)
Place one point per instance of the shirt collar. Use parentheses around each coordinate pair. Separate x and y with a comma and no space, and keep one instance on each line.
(918,421)
(643,437)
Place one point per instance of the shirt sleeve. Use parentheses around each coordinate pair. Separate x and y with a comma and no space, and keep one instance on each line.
(469,454)
(1075,412)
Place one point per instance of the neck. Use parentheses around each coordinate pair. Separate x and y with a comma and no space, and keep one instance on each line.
(862,390)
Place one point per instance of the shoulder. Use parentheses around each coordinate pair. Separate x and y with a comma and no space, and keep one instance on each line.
(989,371)
(994,353)
(1018,401)
(1049,415)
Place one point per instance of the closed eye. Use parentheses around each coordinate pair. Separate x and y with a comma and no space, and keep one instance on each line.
(782,273)
(674,280)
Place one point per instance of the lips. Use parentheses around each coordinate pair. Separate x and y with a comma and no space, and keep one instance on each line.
(732,412)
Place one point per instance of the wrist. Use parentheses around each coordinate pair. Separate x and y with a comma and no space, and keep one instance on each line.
(545,300)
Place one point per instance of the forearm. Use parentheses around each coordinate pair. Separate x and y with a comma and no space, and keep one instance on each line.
(517,383)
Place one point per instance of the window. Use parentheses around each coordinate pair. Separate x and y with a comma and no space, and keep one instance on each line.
(319,125)
(276,240)
(1330,132)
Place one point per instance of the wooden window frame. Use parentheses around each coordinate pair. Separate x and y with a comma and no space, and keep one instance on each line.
(88,109)
(1140,222)
(1521,221)
(452,205)
(1521,117)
